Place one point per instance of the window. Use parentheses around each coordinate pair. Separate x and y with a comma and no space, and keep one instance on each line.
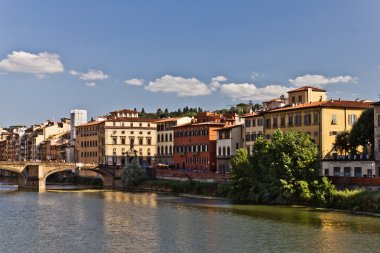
(293,99)
(229,150)
(170,137)
(358,171)
(267,123)
(299,99)
(275,122)
(352,118)
(316,118)
(148,141)
(237,145)
(333,119)
(290,120)
(140,152)
(337,171)
(369,172)
(140,141)
(123,141)
(248,123)
(282,121)
(253,122)
(307,119)
(253,136)
(114,141)
(298,120)
(347,171)
(248,137)
(326,172)
(148,151)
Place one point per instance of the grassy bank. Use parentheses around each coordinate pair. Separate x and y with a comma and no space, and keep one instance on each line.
(358,200)
(190,187)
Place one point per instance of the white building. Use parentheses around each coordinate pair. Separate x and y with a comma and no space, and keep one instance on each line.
(229,140)
(77,117)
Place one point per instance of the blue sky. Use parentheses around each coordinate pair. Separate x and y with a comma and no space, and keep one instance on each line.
(108,55)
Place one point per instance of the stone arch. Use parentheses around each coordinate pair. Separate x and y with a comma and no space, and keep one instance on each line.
(106,177)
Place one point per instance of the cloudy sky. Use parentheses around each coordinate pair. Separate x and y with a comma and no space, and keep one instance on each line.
(108,55)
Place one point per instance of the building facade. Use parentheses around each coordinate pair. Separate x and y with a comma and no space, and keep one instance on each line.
(229,140)
(165,139)
(252,129)
(115,140)
(322,120)
(77,117)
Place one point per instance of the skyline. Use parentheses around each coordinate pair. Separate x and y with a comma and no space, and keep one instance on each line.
(57,56)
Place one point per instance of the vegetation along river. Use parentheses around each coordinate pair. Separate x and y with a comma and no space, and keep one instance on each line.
(109,221)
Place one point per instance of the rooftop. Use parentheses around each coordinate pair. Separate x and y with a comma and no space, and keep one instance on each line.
(305,88)
(330,103)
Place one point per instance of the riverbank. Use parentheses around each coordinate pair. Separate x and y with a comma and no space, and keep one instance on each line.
(361,201)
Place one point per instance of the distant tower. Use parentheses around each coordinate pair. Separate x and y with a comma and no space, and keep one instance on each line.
(78,117)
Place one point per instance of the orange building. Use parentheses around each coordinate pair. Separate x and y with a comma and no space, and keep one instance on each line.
(195,143)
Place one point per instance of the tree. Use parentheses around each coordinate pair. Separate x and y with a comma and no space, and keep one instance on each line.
(284,169)
(342,142)
(132,174)
(362,132)
(142,110)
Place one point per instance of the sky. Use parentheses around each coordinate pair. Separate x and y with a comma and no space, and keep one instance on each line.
(109,55)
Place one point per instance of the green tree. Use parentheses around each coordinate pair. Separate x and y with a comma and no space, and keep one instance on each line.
(362,132)
(132,174)
(284,169)
(342,142)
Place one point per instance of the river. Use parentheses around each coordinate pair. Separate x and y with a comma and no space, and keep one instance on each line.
(110,221)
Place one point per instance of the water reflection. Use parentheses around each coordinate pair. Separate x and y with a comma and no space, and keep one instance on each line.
(107,221)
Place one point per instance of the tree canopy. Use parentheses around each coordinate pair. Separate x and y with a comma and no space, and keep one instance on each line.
(284,169)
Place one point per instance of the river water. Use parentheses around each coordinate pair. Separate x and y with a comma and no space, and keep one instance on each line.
(107,221)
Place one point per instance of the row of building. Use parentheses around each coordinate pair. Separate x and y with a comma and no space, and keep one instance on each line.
(205,143)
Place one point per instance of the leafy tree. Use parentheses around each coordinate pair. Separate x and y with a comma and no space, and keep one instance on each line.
(284,169)
(362,132)
(132,174)
(342,142)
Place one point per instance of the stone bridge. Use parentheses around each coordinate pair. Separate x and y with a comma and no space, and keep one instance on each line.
(32,175)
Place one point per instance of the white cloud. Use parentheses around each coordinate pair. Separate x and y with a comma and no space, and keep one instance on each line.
(135,81)
(245,91)
(39,64)
(320,80)
(91,84)
(183,87)
(91,75)
(73,72)
(215,82)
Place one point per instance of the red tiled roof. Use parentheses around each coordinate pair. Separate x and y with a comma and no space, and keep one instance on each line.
(329,103)
(307,87)
(131,119)
(92,123)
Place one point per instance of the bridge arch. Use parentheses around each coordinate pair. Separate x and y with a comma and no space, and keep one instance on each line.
(106,177)
(19,171)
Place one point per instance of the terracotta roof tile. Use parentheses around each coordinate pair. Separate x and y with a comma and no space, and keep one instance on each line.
(305,88)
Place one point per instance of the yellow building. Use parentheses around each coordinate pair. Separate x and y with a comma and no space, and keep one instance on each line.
(114,140)
(308,111)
